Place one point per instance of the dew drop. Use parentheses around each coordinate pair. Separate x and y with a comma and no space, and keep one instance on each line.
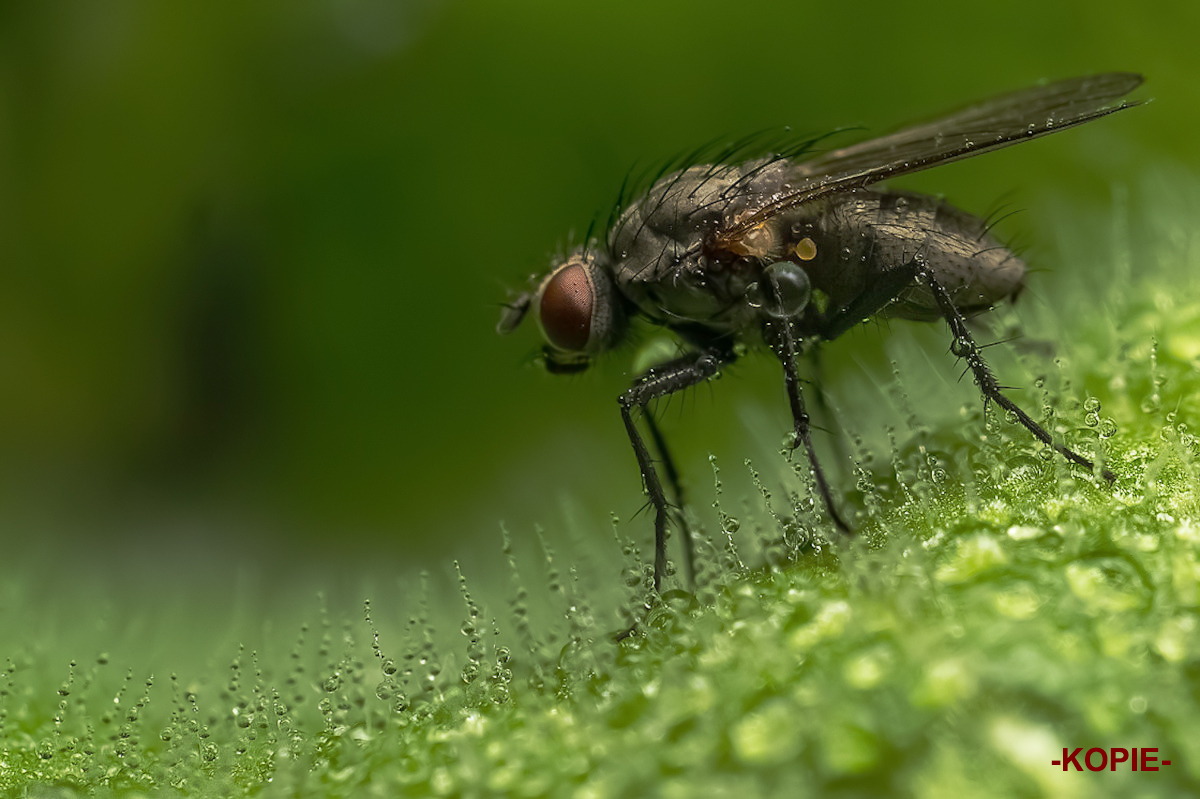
(470,672)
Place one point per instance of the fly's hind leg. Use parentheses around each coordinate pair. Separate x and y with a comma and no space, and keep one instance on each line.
(964,346)
(656,383)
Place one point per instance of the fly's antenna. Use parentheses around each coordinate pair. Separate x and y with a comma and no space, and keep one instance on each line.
(513,311)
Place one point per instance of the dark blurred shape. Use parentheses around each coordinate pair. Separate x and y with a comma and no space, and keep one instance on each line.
(216,349)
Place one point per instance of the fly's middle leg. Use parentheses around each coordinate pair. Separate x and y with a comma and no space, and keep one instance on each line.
(660,382)
(964,347)
(786,349)
(825,411)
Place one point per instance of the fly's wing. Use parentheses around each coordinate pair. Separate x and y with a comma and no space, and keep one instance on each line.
(1008,119)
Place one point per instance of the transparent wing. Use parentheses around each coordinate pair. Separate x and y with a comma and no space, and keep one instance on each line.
(999,122)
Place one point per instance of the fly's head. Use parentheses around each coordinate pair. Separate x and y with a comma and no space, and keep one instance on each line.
(578,309)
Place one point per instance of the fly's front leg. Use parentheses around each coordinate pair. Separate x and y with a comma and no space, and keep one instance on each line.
(964,346)
(656,383)
(786,350)
(673,483)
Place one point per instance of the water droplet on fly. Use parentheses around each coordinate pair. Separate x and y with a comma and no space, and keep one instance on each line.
(754,295)
(789,289)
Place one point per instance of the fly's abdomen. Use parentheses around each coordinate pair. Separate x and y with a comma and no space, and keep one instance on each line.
(868,233)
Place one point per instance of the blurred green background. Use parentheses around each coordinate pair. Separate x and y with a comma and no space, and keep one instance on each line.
(251,253)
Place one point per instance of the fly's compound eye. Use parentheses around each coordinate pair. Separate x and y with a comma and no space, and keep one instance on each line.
(783,292)
(565,309)
(576,307)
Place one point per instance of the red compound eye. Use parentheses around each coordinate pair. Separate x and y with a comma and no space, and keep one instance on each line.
(566,308)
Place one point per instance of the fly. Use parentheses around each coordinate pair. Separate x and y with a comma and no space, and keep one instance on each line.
(785,252)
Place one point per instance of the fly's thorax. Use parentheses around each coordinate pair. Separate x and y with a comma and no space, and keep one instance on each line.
(860,236)
(659,245)
(672,220)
